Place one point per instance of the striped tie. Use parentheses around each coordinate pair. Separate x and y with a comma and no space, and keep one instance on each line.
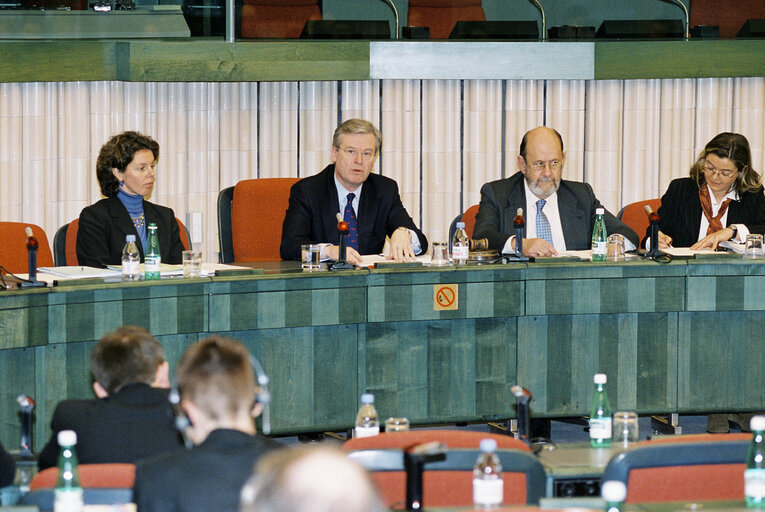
(543,225)
(349,216)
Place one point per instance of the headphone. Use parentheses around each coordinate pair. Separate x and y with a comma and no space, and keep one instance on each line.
(263,396)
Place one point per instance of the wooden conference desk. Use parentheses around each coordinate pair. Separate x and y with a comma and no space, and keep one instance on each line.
(682,337)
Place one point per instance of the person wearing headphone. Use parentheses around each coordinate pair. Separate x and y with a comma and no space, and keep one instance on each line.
(217,393)
(131,418)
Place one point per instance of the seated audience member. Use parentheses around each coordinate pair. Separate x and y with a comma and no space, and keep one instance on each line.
(370,203)
(217,392)
(132,417)
(310,479)
(722,190)
(126,174)
(559,214)
(7,467)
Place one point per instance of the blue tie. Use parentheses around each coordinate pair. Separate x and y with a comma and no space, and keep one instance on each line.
(543,225)
(349,216)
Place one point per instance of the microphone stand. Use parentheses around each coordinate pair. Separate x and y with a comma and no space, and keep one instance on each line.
(653,219)
(544,23)
(395,12)
(32,253)
(522,398)
(342,231)
(520,226)
(415,459)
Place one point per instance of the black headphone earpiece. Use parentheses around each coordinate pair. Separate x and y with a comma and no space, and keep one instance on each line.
(263,396)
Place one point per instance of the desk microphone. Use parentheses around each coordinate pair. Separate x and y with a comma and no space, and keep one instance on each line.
(342,231)
(26,406)
(395,12)
(519,224)
(523,397)
(32,246)
(653,218)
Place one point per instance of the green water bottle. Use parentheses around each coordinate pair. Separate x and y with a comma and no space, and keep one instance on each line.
(599,236)
(67,495)
(754,475)
(152,258)
(600,414)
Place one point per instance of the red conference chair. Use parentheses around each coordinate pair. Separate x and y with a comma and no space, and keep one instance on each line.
(13,249)
(277,19)
(103,484)
(635,217)
(441,15)
(468,218)
(446,483)
(684,468)
(250,218)
(65,242)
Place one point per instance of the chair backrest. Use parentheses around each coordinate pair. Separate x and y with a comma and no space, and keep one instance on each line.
(441,16)
(13,248)
(277,19)
(451,438)
(65,242)
(250,222)
(43,498)
(706,467)
(635,217)
(468,218)
(448,483)
(111,476)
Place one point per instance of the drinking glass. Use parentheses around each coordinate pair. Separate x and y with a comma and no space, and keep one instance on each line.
(625,428)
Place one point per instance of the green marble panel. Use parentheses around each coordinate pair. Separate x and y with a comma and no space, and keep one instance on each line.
(721,361)
(313,375)
(558,355)
(459,370)
(17,368)
(722,293)
(23,319)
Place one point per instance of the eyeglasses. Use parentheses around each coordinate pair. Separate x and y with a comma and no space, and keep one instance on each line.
(725,173)
(541,164)
(352,153)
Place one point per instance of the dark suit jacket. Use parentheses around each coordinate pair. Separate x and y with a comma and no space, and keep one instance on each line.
(311,215)
(680,212)
(206,478)
(103,226)
(7,467)
(501,199)
(134,423)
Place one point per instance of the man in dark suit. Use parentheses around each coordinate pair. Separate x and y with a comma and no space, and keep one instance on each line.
(562,210)
(218,395)
(132,418)
(7,467)
(348,187)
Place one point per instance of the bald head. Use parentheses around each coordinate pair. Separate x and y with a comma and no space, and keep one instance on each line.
(310,479)
(540,159)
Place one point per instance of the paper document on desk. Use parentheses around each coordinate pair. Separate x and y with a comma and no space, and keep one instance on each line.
(686,252)
(369,260)
(733,246)
(585,255)
(79,272)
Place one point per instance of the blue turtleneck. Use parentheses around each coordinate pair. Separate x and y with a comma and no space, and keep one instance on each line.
(134,206)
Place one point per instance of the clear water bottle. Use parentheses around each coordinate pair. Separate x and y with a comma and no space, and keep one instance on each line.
(460,245)
(131,259)
(599,236)
(754,475)
(152,258)
(613,492)
(488,487)
(367,422)
(67,496)
(600,414)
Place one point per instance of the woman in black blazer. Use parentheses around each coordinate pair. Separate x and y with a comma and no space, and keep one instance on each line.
(126,174)
(722,199)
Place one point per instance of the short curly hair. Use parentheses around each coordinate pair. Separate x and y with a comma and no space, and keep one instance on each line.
(117,153)
(735,148)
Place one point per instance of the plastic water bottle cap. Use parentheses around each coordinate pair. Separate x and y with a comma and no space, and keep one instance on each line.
(600,378)
(757,423)
(367,398)
(129,238)
(67,438)
(488,445)
(460,225)
(613,491)
(600,211)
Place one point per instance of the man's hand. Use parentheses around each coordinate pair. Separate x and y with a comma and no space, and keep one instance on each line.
(333,251)
(665,241)
(538,247)
(401,246)
(711,241)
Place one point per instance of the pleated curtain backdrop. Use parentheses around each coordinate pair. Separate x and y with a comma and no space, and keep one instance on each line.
(442,139)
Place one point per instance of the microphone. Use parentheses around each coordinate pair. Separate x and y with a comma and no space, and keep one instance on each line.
(395,12)
(519,224)
(523,397)
(32,246)
(544,23)
(415,458)
(653,218)
(342,231)
(263,396)
(26,406)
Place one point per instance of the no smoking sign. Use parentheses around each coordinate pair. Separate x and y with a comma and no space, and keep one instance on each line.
(445,297)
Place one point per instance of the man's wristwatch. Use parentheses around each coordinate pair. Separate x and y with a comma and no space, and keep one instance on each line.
(735,231)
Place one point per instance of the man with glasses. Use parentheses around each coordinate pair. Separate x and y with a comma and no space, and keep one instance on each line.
(369,203)
(559,214)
